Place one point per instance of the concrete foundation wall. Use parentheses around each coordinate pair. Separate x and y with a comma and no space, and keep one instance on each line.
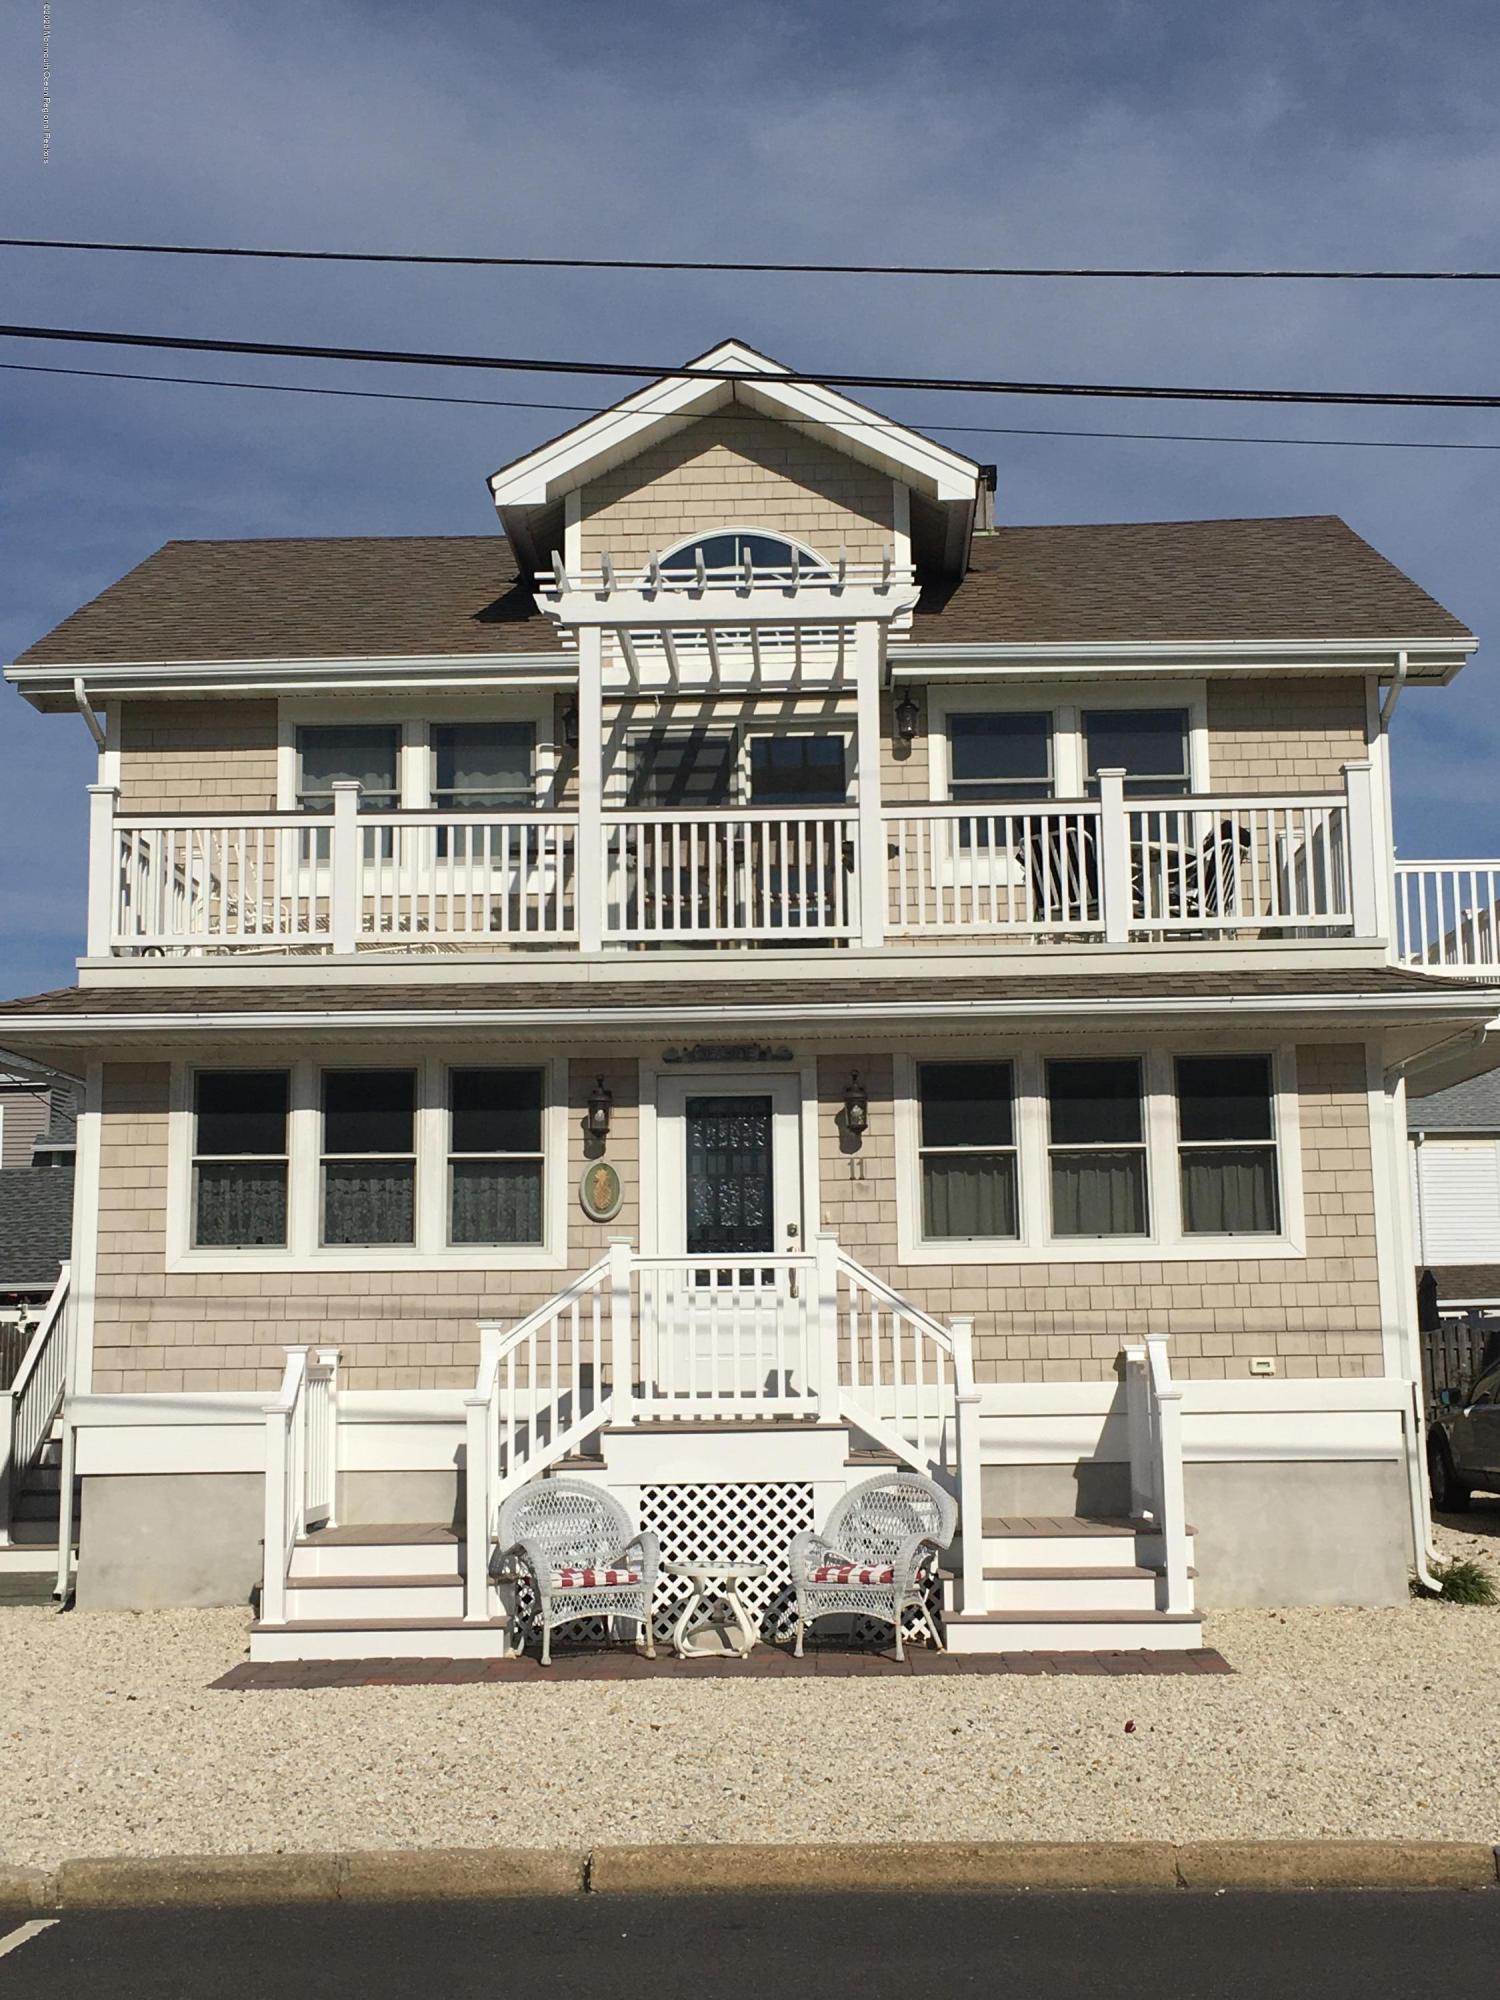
(149,1540)
(1300,1532)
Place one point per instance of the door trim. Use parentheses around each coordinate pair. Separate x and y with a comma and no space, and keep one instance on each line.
(732,1081)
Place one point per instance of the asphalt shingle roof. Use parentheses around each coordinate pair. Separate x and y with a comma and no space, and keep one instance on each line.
(36,1224)
(1306,577)
(1463,1107)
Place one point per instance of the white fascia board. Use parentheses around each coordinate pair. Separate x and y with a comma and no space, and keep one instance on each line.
(542,476)
(49,685)
(905,1015)
(1435,660)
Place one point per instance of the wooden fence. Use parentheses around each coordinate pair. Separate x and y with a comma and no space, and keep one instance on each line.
(1454,1353)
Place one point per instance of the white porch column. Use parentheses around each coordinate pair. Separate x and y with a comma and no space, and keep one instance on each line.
(590,862)
(103,799)
(1114,857)
(344,871)
(1364,872)
(873,891)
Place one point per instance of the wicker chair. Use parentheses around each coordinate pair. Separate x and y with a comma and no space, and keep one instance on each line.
(582,1557)
(874,1559)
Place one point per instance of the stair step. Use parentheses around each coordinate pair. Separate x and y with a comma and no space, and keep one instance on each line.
(1074,1631)
(1072,1542)
(1056,1575)
(349,1597)
(366,1551)
(379,1639)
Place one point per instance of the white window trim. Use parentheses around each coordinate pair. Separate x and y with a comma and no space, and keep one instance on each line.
(416,760)
(1067,701)
(1035,1244)
(431,1252)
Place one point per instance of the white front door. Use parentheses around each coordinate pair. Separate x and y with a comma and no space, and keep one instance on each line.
(725,1324)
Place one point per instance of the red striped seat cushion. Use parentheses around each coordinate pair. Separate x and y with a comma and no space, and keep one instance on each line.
(854,1573)
(592,1579)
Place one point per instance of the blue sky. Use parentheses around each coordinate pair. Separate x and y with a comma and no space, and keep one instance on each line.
(1084,131)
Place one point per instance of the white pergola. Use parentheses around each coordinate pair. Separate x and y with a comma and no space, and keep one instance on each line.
(737,631)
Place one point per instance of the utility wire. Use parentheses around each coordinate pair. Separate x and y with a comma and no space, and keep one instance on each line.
(405,357)
(1275,274)
(594,410)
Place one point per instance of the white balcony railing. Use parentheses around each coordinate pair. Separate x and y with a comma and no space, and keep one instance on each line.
(1109,868)
(1448,916)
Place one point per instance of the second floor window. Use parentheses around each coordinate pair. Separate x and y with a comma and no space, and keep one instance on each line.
(1150,745)
(367,752)
(1000,757)
(483,766)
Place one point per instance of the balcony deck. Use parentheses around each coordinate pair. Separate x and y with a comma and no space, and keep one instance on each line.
(1217,866)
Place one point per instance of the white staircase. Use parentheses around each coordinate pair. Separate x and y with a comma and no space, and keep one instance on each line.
(34,1451)
(723,1395)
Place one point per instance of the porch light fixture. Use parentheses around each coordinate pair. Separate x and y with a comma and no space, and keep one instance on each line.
(570,725)
(601,1103)
(856,1104)
(908,715)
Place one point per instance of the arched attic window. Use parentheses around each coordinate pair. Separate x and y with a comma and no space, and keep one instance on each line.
(726,551)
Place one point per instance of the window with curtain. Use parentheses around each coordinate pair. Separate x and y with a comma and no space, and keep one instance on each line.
(483,766)
(369,1156)
(967,1150)
(1150,745)
(368,753)
(1097,1147)
(1000,756)
(683,768)
(495,1155)
(1227,1146)
(240,1158)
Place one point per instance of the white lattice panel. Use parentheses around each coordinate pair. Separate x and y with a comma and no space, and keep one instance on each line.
(751,1522)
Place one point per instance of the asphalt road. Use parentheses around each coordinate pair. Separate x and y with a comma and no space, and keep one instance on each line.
(1366,1946)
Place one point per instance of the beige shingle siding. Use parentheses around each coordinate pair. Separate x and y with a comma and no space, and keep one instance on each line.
(1320,1315)
(1285,735)
(1033,1322)
(229,1330)
(198,756)
(736,471)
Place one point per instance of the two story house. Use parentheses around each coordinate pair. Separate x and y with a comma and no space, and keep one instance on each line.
(751,973)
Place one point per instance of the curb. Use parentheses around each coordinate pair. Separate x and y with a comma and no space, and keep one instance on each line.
(446,1873)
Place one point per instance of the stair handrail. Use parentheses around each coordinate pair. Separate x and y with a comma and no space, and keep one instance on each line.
(301,1466)
(29,1406)
(1153,1404)
(496,1460)
(921,1412)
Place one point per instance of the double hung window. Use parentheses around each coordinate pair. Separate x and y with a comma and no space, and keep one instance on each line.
(967,1149)
(369,1156)
(1000,757)
(1150,745)
(1097,1147)
(240,1158)
(495,1155)
(483,766)
(1227,1146)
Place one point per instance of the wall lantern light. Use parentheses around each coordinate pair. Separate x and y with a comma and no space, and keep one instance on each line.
(601,1103)
(908,716)
(570,725)
(856,1105)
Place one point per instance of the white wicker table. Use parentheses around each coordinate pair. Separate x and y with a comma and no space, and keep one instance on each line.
(728,1630)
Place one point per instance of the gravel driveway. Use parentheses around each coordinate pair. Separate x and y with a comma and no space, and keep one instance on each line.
(1336,1723)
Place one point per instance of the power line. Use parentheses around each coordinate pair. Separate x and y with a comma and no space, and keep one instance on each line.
(1197,273)
(405,357)
(594,410)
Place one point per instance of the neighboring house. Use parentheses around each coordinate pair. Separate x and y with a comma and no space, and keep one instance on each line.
(32,1101)
(1455,1165)
(821,978)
